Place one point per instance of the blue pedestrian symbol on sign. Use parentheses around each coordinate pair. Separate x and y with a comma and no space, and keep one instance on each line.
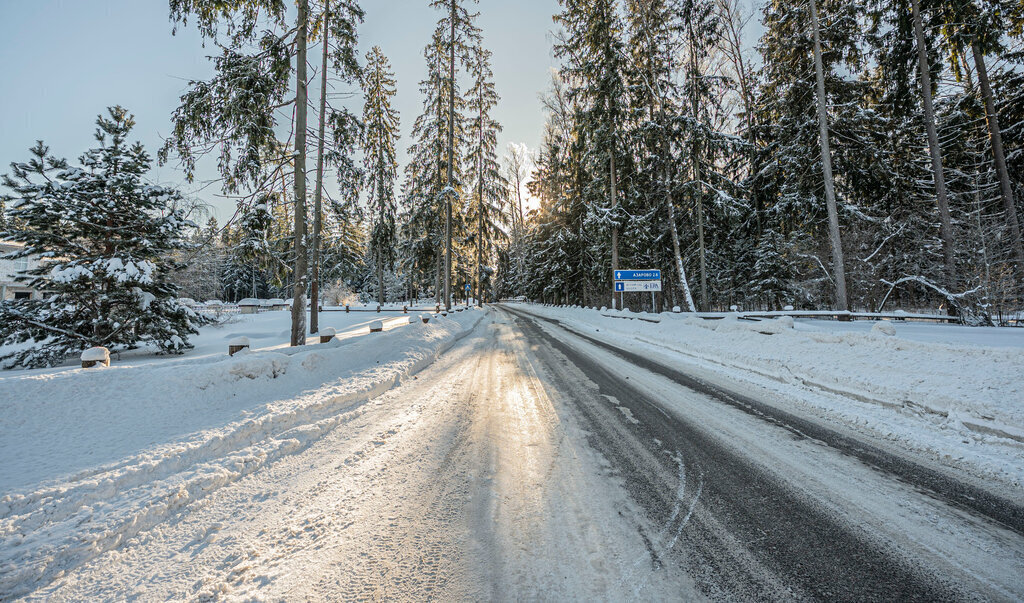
(467,287)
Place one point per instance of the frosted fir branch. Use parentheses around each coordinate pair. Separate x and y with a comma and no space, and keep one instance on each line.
(24,318)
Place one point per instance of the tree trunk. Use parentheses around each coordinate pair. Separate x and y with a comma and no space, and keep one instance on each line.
(451,166)
(480,228)
(996,139)
(615,228)
(838,265)
(519,201)
(301,98)
(945,223)
(314,288)
(380,278)
(437,277)
(699,189)
(684,285)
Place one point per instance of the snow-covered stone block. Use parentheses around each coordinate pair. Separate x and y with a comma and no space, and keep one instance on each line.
(376,326)
(98,356)
(327,334)
(249,305)
(237,344)
(425,318)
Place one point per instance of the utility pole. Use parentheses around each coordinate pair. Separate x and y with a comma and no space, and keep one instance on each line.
(838,267)
(314,289)
(301,97)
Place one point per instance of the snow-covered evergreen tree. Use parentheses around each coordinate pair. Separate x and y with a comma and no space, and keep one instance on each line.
(381,134)
(105,236)
(489,187)
(595,60)
(426,173)
(455,37)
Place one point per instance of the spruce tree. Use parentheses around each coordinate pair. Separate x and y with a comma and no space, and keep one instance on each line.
(381,122)
(979,28)
(790,181)
(457,35)
(105,235)
(490,186)
(592,46)
(429,187)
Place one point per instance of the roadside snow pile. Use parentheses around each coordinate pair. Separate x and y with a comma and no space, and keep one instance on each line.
(884,327)
(140,442)
(961,403)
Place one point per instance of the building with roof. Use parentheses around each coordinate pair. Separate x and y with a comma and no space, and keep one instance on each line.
(9,269)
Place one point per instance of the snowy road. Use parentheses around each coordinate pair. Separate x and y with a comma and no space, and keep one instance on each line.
(529,463)
(775,507)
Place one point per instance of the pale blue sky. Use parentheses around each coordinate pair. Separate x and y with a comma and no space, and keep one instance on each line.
(65,61)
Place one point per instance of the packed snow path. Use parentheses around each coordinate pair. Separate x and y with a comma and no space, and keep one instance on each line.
(530,462)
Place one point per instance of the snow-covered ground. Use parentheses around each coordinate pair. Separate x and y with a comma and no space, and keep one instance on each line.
(954,393)
(507,469)
(91,457)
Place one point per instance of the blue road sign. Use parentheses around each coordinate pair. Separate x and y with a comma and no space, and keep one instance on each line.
(467,287)
(637,275)
(632,286)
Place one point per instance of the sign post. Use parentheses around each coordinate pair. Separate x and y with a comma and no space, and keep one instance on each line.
(628,281)
(467,294)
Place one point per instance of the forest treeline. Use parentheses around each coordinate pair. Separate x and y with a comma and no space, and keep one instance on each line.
(669,145)
(860,155)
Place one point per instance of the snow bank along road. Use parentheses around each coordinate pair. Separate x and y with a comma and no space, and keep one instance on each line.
(532,461)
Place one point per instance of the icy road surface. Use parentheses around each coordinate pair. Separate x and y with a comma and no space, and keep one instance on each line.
(535,462)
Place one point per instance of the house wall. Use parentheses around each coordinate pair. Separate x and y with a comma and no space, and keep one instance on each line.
(8,271)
